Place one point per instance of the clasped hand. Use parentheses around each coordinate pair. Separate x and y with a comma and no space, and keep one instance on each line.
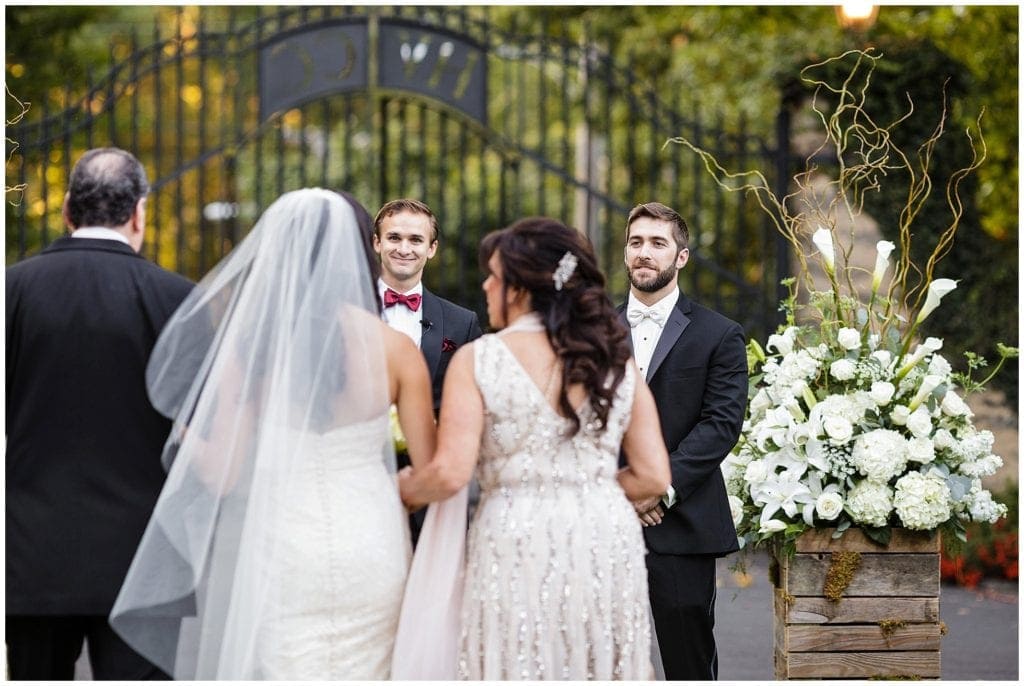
(650,511)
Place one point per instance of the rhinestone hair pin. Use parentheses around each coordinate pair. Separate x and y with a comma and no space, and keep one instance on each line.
(564,271)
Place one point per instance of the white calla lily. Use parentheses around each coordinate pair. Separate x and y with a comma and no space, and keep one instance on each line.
(884,249)
(937,289)
(822,239)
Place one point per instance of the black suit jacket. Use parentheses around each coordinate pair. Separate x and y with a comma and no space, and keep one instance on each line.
(698,375)
(83,441)
(444,320)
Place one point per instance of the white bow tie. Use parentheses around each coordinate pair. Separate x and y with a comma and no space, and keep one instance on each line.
(635,315)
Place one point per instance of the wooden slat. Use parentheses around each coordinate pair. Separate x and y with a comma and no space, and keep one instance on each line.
(903,541)
(887,574)
(924,664)
(815,610)
(860,638)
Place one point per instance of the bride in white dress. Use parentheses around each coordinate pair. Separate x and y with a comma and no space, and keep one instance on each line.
(555,577)
(279,547)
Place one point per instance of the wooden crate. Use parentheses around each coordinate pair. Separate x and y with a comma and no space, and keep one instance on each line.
(816,638)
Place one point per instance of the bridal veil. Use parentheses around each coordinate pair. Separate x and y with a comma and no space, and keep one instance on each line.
(277,346)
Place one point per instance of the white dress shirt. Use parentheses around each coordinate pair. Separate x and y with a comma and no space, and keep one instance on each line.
(401,318)
(647,332)
(100,232)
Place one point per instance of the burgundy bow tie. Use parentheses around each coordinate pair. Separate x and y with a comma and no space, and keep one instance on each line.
(394,297)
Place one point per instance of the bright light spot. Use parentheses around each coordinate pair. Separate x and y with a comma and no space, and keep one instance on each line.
(220,210)
(857,11)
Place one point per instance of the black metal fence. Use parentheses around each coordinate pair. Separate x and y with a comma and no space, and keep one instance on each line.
(229,111)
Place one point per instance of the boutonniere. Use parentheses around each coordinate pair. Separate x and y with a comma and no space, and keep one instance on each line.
(448,345)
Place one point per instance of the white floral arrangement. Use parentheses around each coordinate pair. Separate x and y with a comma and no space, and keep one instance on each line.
(852,420)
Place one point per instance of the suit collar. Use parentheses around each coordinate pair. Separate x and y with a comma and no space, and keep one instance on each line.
(93,244)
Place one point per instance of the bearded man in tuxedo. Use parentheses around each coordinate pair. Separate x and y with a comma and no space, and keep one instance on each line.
(83,440)
(694,361)
(406,237)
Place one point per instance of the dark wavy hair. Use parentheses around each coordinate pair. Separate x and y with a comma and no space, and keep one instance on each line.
(105,186)
(581,323)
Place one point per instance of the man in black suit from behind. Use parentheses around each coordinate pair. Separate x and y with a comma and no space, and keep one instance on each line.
(83,441)
(405,237)
(694,361)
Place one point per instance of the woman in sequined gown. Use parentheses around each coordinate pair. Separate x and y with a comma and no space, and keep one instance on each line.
(555,580)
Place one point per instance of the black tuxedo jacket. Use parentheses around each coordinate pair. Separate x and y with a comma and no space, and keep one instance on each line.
(698,375)
(83,441)
(444,321)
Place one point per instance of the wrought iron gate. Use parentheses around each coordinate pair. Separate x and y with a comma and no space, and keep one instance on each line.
(434,103)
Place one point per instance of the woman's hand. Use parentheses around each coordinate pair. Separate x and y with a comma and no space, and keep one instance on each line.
(405,477)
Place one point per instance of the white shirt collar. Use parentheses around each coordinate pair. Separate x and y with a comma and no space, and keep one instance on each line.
(664,306)
(100,232)
(381,287)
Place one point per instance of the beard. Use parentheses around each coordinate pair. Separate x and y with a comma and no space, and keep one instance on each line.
(656,282)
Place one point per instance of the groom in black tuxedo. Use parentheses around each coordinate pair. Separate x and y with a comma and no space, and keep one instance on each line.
(694,360)
(83,441)
(405,237)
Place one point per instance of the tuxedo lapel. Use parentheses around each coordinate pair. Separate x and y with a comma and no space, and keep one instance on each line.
(433,333)
(674,327)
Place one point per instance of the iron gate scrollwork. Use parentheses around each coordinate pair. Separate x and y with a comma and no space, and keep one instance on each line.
(235,106)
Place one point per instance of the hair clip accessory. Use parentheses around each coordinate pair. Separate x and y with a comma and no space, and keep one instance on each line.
(566,268)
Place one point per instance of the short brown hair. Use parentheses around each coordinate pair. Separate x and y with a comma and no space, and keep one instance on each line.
(405,205)
(655,210)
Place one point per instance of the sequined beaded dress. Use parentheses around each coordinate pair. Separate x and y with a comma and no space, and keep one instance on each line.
(556,585)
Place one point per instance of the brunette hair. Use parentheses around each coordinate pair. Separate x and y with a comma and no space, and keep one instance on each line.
(655,210)
(581,323)
(405,205)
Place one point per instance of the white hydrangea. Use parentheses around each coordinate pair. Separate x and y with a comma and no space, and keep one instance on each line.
(869,503)
(981,506)
(973,445)
(983,466)
(843,369)
(922,501)
(880,454)
(920,450)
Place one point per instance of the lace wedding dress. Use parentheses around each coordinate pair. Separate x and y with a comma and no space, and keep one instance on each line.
(339,554)
(556,584)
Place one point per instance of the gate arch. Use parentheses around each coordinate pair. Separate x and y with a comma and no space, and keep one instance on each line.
(226,113)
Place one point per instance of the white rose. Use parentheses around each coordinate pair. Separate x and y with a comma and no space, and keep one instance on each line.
(899,415)
(843,370)
(849,338)
(736,509)
(756,472)
(920,450)
(829,505)
(954,406)
(839,430)
(939,365)
(882,392)
(920,423)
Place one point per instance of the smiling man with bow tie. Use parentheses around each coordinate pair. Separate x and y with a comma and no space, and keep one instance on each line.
(695,363)
(405,237)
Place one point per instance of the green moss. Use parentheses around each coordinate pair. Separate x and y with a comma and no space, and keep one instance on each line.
(840,573)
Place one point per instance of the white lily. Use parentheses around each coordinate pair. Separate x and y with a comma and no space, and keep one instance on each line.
(822,239)
(884,249)
(928,384)
(936,290)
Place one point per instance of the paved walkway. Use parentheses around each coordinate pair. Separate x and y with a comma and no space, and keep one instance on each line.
(983,640)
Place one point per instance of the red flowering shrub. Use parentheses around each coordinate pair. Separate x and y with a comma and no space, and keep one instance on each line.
(991,550)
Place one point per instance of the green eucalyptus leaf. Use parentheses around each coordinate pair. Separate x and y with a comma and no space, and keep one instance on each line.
(881,535)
